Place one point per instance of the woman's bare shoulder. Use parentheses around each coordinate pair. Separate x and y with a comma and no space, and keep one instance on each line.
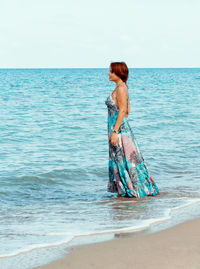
(122,90)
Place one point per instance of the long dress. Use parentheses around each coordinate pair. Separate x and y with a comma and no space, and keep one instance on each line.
(127,171)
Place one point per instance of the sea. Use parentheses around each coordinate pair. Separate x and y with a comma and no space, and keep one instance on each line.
(54,158)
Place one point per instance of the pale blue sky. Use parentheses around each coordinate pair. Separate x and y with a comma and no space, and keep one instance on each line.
(89,33)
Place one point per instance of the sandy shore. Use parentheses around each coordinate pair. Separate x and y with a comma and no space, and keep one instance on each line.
(173,248)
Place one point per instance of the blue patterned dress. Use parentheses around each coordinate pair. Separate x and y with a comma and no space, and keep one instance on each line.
(127,170)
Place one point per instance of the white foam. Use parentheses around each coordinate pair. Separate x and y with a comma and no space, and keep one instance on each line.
(190,202)
(145,225)
(38,246)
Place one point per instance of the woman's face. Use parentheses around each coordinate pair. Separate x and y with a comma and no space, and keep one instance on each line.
(112,76)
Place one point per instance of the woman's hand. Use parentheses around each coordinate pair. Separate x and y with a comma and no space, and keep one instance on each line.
(114,139)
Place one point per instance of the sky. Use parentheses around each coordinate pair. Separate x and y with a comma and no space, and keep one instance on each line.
(91,34)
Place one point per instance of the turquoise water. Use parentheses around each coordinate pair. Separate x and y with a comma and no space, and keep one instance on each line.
(54,154)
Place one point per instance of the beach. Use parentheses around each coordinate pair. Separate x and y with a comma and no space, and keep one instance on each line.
(177,247)
(73,194)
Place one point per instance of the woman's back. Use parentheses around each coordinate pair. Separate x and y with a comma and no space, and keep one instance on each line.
(114,97)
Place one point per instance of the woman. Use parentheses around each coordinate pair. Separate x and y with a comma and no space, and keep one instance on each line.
(128,172)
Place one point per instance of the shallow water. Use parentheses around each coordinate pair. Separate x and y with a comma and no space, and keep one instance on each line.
(54,154)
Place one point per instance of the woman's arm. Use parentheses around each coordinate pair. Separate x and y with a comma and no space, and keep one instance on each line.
(121,95)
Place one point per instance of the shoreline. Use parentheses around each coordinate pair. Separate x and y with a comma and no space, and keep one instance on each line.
(179,245)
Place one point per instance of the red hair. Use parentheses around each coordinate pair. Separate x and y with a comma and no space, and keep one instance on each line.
(120,69)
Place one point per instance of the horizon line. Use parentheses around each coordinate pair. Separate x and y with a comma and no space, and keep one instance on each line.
(95,67)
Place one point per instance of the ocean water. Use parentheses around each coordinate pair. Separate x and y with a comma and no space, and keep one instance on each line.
(54,157)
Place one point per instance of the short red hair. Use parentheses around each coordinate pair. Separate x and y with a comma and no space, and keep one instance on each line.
(120,69)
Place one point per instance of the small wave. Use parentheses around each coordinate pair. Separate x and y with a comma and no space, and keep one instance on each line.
(148,222)
(145,224)
(50,178)
(190,203)
(134,228)
(33,247)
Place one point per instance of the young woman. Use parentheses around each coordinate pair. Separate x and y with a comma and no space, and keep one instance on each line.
(128,172)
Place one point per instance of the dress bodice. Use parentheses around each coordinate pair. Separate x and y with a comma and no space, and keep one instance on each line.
(113,112)
(112,107)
